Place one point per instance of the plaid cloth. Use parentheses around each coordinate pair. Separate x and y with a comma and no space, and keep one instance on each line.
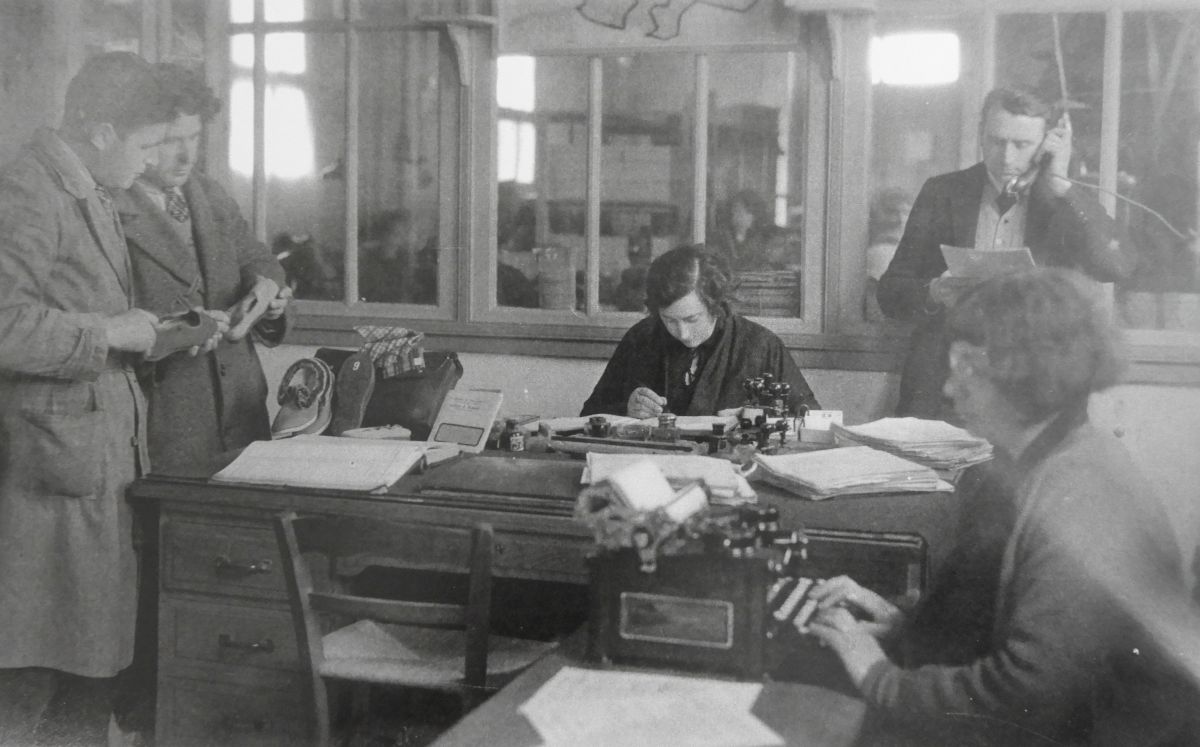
(394,350)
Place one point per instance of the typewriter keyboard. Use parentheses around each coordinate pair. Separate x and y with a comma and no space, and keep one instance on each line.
(789,603)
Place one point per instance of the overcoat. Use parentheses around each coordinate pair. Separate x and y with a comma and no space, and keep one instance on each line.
(205,405)
(1069,231)
(71,417)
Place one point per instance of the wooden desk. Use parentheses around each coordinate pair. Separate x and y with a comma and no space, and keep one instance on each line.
(802,714)
(228,672)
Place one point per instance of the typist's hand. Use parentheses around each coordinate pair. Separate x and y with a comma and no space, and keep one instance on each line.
(131,331)
(645,403)
(883,617)
(850,639)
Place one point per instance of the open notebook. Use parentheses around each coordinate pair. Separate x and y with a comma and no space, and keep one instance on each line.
(330,462)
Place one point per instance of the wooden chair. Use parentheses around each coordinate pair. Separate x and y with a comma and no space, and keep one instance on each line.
(431,645)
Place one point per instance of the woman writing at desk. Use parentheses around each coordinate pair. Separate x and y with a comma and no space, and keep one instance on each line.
(1090,598)
(692,353)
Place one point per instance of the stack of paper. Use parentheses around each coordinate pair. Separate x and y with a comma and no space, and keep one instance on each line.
(934,443)
(327,462)
(851,470)
(584,707)
(725,484)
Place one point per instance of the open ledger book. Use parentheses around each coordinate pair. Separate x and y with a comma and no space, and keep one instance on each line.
(330,462)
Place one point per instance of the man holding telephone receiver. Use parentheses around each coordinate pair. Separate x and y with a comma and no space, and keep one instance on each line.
(1018,195)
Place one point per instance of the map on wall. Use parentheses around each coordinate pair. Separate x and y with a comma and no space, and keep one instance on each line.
(535,26)
(665,18)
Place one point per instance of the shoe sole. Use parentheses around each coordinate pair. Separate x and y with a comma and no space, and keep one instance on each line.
(353,387)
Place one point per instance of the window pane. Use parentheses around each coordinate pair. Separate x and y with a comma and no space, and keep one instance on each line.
(1158,165)
(240,104)
(540,201)
(111,26)
(283,11)
(645,169)
(187,32)
(304,135)
(756,176)
(398,167)
(915,135)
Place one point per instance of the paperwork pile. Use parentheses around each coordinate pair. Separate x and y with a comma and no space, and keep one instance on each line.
(581,707)
(725,484)
(851,470)
(329,462)
(934,443)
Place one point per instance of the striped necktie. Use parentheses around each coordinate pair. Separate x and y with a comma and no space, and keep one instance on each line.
(177,207)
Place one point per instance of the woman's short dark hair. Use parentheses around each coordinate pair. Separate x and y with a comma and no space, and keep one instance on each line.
(188,92)
(682,270)
(1048,346)
(117,88)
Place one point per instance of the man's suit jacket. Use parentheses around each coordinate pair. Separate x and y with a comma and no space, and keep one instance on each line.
(209,404)
(1068,231)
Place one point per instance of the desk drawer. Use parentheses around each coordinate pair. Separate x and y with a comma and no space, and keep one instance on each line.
(221,558)
(192,712)
(541,557)
(228,635)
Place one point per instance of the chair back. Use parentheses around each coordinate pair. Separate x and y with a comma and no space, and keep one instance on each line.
(323,554)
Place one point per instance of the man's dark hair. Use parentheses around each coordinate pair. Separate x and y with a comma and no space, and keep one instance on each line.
(187,91)
(1015,101)
(119,88)
(685,269)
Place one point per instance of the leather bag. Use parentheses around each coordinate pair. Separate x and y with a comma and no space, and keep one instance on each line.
(411,399)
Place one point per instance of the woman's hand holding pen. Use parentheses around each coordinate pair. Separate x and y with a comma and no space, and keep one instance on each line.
(645,403)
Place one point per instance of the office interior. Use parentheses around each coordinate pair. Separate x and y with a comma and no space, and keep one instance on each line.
(493,173)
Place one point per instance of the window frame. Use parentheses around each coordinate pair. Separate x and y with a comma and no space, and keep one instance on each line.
(467,318)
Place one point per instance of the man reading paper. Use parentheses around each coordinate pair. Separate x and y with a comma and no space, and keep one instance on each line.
(985,207)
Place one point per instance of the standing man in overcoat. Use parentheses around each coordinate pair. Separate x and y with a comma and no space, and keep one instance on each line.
(191,248)
(72,416)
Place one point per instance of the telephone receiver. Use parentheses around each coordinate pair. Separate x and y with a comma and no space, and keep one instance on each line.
(1019,185)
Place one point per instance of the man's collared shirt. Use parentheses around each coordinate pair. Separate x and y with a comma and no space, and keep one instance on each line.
(995,230)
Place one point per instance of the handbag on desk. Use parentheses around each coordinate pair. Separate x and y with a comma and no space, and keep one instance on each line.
(412,398)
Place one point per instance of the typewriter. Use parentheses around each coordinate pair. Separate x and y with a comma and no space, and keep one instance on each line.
(734,595)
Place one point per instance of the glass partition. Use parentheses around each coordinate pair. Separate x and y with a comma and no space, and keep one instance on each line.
(756,148)
(1158,165)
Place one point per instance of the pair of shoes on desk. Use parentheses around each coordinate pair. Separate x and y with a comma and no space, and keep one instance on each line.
(305,399)
(352,391)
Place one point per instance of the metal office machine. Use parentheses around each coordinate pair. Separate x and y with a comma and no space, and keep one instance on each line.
(734,597)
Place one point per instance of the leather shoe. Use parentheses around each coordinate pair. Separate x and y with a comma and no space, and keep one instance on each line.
(352,391)
(304,399)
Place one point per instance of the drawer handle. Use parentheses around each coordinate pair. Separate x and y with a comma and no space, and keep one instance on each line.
(240,724)
(265,646)
(226,566)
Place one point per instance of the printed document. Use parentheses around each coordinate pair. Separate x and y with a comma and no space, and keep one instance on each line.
(967,262)
(591,707)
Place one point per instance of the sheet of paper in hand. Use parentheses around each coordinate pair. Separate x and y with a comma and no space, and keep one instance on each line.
(967,262)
